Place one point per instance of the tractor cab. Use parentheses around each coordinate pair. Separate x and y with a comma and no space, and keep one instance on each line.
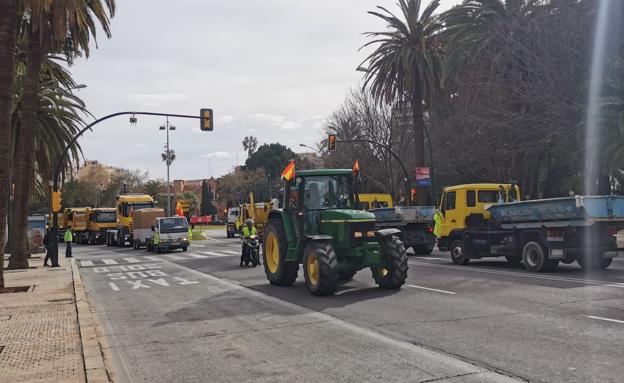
(322,228)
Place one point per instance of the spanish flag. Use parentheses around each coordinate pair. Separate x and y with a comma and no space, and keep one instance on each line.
(289,171)
(356,167)
(179,211)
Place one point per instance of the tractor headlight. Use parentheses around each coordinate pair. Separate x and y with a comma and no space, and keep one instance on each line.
(357,234)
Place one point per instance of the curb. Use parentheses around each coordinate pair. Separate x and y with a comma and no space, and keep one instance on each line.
(95,370)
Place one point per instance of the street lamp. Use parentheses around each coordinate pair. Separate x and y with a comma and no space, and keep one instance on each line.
(309,147)
(168,127)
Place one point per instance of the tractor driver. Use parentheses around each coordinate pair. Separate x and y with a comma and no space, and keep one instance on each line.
(248,230)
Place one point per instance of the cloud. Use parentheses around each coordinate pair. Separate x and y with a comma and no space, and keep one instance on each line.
(227,119)
(140,146)
(218,155)
(157,100)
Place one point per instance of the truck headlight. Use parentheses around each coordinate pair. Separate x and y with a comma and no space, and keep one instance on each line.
(185,239)
(370,233)
(357,234)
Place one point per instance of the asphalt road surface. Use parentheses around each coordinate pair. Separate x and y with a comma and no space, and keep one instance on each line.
(198,317)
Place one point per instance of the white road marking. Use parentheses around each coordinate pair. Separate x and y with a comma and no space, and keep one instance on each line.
(197,255)
(131,260)
(604,319)
(110,261)
(347,291)
(173,257)
(430,289)
(86,263)
(153,258)
(113,286)
(212,253)
(522,275)
(432,258)
(231,252)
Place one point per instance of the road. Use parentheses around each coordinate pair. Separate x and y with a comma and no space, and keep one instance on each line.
(198,316)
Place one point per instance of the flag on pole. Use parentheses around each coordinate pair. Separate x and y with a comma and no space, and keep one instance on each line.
(356,167)
(289,171)
(179,211)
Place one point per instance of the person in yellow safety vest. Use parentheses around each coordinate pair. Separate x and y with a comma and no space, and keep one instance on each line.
(68,237)
(190,231)
(437,220)
(248,230)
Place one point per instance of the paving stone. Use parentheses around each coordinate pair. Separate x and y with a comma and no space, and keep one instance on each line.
(41,336)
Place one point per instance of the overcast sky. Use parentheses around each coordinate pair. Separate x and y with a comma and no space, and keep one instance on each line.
(273,69)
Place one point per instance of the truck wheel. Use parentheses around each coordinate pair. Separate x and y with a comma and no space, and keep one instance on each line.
(346,275)
(513,259)
(184,248)
(320,268)
(593,262)
(458,255)
(535,259)
(394,273)
(274,249)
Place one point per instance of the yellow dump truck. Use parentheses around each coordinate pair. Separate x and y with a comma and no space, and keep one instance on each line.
(258,212)
(77,218)
(100,221)
(126,205)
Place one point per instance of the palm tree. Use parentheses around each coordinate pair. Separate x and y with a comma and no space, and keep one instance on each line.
(154,188)
(405,66)
(8,38)
(49,28)
(250,144)
(474,30)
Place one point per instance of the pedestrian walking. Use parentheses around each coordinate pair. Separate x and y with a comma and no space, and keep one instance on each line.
(48,245)
(69,237)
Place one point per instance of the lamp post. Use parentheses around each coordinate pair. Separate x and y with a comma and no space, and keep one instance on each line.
(309,147)
(168,127)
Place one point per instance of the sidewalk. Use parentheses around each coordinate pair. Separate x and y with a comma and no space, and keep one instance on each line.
(40,335)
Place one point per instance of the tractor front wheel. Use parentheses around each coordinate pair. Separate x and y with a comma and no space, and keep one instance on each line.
(274,249)
(320,268)
(393,274)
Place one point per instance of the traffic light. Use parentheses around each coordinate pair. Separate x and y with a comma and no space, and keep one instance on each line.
(206,123)
(56,202)
(331,142)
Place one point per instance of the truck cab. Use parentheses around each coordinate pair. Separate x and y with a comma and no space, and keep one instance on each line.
(126,205)
(100,221)
(233,213)
(461,204)
(169,233)
(78,219)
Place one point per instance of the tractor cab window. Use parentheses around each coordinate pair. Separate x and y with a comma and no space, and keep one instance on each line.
(328,192)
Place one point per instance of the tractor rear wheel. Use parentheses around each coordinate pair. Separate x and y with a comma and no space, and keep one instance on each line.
(394,273)
(274,249)
(320,268)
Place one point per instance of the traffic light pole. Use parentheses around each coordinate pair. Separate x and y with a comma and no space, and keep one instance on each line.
(59,164)
(408,195)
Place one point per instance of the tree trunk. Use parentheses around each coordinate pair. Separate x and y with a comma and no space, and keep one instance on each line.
(8,36)
(25,154)
(422,193)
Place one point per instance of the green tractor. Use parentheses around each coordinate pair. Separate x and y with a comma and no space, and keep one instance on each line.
(321,228)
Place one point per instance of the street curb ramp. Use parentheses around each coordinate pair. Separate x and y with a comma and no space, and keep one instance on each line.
(95,370)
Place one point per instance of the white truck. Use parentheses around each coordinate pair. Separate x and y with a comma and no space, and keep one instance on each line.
(159,233)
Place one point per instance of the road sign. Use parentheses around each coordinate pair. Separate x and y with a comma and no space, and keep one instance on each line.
(423,177)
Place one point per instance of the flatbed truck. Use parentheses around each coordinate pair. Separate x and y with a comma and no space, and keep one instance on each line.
(489,220)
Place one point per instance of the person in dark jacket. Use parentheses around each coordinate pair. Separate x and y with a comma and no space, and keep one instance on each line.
(47,243)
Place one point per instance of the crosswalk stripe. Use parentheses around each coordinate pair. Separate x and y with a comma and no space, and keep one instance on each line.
(86,263)
(173,257)
(110,261)
(196,255)
(215,254)
(153,258)
(131,260)
(231,252)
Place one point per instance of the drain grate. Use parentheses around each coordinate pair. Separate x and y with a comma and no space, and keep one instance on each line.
(17,289)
